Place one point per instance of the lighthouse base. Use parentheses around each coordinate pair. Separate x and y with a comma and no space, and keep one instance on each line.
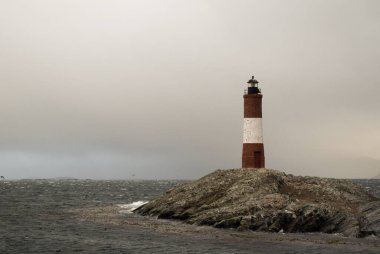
(253,155)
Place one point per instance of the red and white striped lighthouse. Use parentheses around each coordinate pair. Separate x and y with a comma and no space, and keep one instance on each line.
(253,145)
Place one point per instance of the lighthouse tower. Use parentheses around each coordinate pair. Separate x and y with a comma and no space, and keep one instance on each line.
(253,146)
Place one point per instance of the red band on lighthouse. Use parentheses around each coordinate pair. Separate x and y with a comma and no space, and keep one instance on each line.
(253,143)
(252,106)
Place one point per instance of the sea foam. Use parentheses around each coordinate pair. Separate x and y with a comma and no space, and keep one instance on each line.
(129,208)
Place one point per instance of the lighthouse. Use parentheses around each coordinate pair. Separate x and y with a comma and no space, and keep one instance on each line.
(253,144)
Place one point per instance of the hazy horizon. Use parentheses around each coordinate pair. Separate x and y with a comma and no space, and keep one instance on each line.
(153,89)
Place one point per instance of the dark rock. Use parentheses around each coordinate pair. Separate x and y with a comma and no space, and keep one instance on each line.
(269,200)
(370,219)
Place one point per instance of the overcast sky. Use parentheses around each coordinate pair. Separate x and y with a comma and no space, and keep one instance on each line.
(111,89)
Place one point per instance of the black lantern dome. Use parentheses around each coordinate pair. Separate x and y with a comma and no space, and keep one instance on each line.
(253,86)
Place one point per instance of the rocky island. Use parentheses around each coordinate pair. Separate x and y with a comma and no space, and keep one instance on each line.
(272,201)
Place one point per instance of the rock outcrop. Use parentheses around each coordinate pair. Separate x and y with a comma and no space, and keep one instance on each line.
(269,200)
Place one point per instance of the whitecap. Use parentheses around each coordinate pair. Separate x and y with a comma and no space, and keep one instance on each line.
(129,208)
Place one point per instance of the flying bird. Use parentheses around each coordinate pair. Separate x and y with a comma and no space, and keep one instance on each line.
(2,177)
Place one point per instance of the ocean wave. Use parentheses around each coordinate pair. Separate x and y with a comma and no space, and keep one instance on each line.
(129,208)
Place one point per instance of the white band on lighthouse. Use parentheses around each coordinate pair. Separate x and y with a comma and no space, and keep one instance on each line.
(253,130)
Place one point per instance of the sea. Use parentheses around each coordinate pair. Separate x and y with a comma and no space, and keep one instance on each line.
(95,216)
